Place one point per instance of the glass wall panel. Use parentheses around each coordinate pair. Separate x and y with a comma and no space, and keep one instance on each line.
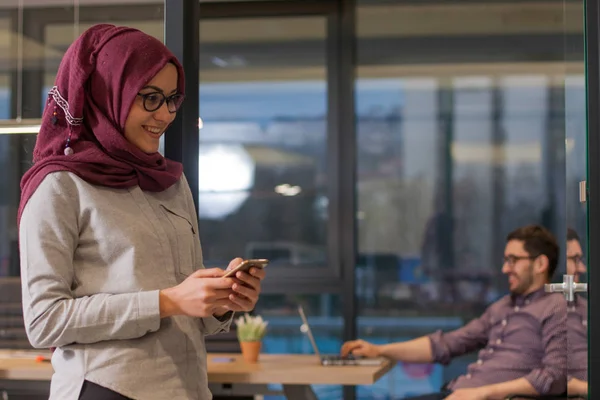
(263,140)
(7,197)
(263,165)
(576,161)
(460,130)
(33,39)
(7,64)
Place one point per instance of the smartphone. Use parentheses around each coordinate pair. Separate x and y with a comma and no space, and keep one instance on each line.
(246,265)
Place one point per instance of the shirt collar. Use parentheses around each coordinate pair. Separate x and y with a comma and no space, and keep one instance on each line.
(579,299)
(520,300)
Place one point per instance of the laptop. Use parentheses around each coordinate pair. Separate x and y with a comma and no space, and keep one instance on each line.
(334,359)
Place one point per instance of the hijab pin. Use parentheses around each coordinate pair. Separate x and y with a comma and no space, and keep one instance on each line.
(68,150)
(54,116)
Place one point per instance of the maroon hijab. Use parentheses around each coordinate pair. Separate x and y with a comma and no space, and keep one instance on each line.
(98,79)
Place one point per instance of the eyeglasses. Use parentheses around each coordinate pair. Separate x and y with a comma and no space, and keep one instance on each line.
(577,258)
(512,260)
(154,100)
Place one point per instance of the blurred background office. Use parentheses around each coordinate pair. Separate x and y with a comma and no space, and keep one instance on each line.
(376,151)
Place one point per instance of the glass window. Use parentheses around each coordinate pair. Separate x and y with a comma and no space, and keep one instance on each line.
(6,197)
(59,36)
(16,140)
(458,135)
(263,140)
(7,66)
(263,165)
(576,160)
(29,57)
(576,153)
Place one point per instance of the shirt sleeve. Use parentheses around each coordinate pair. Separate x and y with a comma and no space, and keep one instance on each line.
(49,235)
(551,378)
(213,325)
(473,336)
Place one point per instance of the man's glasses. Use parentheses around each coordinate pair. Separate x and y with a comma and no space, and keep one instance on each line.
(512,260)
(154,100)
(577,258)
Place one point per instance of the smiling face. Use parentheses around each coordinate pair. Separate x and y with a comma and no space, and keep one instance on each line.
(525,273)
(144,128)
(575,265)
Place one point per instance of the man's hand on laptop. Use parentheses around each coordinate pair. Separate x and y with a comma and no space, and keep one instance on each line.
(360,348)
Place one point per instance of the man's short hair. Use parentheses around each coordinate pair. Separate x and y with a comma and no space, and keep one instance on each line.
(572,235)
(538,241)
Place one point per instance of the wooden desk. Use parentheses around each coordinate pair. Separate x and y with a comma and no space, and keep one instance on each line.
(24,369)
(294,371)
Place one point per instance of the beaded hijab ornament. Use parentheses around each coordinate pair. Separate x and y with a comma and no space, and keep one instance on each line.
(54,94)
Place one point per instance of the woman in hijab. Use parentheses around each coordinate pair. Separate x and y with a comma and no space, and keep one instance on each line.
(111,263)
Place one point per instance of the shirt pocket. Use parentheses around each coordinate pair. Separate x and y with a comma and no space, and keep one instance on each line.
(183,241)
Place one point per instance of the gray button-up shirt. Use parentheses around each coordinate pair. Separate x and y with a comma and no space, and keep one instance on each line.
(93,260)
(517,337)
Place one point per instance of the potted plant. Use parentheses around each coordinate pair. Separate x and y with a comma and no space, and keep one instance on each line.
(250,332)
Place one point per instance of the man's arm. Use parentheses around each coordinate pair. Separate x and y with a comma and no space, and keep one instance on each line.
(551,377)
(471,337)
(575,386)
(412,351)
(516,386)
(438,347)
(497,391)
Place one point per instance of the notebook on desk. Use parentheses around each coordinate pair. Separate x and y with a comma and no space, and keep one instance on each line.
(334,359)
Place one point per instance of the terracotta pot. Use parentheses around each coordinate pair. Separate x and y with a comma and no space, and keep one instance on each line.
(250,351)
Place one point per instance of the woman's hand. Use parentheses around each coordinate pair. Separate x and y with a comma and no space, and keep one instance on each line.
(246,287)
(200,295)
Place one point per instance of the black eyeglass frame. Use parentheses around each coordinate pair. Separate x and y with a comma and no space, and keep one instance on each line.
(168,99)
(512,260)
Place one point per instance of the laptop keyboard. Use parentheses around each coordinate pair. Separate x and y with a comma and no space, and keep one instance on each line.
(336,359)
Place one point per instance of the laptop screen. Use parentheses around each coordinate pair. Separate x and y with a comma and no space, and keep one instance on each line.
(308,331)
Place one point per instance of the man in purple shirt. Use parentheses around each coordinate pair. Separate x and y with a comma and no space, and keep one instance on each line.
(521,338)
(577,315)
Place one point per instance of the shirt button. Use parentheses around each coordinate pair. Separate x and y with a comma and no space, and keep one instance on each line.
(504,322)
(499,341)
(479,362)
(491,350)
(517,308)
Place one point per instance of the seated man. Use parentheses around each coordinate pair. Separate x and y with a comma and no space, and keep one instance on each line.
(521,338)
(577,316)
